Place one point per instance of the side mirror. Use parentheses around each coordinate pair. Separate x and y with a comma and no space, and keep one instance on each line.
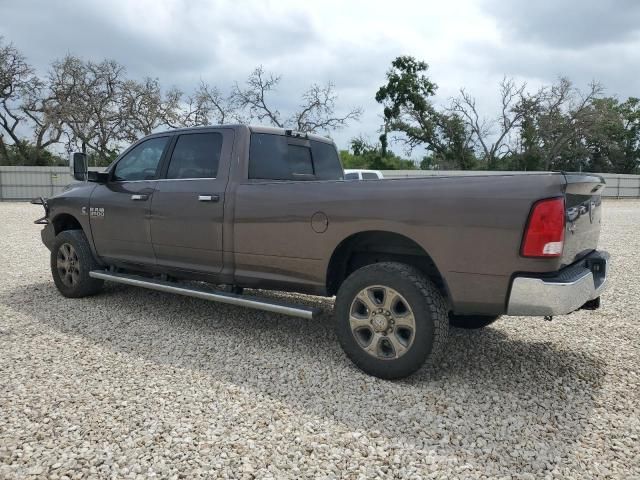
(98,177)
(78,166)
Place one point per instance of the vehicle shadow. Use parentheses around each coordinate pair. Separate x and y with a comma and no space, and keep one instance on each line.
(523,389)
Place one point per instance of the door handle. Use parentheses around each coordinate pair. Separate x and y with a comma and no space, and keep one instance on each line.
(208,198)
(139,197)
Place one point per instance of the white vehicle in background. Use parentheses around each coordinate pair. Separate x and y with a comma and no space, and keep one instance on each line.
(357,174)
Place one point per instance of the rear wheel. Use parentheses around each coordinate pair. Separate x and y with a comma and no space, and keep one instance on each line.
(390,319)
(472,322)
(71,262)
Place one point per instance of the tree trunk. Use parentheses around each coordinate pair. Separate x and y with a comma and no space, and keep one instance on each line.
(4,155)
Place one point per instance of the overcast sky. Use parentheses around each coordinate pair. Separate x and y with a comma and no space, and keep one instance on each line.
(466,43)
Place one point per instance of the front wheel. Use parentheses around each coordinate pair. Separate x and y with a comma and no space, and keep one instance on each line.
(71,262)
(390,319)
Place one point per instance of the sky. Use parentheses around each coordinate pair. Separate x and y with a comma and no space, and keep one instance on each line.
(470,44)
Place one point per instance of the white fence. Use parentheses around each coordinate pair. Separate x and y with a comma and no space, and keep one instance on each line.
(619,185)
(24,183)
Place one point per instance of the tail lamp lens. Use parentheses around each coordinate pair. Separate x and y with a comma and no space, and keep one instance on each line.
(544,236)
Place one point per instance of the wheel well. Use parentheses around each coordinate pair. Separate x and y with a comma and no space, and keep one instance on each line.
(64,222)
(369,247)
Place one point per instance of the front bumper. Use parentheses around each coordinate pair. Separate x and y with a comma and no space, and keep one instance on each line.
(562,292)
(48,235)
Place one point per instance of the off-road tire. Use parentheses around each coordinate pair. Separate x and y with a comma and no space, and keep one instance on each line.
(472,322)
(79,284)
(425,303)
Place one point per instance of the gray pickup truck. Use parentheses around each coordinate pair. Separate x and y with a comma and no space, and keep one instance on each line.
(253,207)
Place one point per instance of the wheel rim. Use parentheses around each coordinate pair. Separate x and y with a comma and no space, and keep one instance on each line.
(68,265)
(382,322)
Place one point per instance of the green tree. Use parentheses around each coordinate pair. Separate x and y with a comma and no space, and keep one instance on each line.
(97,160)
(526,154)
(571,131)
(367,156)
(567,116)
(27,154)
(408,109)
(612,144)
(630,115)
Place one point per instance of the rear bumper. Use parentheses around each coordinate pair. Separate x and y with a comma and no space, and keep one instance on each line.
(561,292)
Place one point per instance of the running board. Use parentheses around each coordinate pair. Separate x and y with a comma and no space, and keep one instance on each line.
(222,297)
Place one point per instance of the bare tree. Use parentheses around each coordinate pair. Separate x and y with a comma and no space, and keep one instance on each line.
(90,99)
(316,112)
(15,78)
(68,78)
(146,108)
(493,135)
(252,97)
(25,104)
(43,111)
(211,106)
(94,106)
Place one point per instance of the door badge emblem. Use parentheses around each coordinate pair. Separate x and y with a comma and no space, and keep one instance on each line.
(96,212)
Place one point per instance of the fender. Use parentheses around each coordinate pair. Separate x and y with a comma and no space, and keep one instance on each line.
(74,201)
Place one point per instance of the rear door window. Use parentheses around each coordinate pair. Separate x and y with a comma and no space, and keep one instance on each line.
(351,176)
(369,176)
(196,155)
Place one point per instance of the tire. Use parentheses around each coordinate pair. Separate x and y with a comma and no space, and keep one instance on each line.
(472,322)
(71,262)
(399,347)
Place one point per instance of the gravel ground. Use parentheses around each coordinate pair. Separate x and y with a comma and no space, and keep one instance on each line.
(140,384)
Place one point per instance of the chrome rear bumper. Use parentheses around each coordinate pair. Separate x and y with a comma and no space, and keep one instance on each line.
(560,293)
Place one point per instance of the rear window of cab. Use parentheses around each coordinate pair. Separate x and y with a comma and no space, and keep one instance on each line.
(277,157)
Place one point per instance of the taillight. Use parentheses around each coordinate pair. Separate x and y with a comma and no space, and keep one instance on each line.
(544,236)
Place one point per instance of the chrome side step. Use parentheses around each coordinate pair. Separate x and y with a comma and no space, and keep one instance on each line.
(223,297)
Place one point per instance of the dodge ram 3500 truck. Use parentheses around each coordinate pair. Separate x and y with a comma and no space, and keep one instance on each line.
(268,208)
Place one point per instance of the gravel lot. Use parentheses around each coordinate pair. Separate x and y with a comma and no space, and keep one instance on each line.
(138,384)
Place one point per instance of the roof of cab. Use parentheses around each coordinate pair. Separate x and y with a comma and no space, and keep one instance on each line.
(255,129)
(288,131)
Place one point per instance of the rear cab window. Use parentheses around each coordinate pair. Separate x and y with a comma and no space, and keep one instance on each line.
(278,157)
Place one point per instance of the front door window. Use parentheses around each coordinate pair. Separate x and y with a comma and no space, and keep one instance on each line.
(141,162)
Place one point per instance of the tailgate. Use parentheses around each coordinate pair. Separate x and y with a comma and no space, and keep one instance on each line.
(583,203)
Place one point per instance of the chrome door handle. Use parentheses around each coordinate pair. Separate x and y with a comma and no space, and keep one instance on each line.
(208,198)
(139,197)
